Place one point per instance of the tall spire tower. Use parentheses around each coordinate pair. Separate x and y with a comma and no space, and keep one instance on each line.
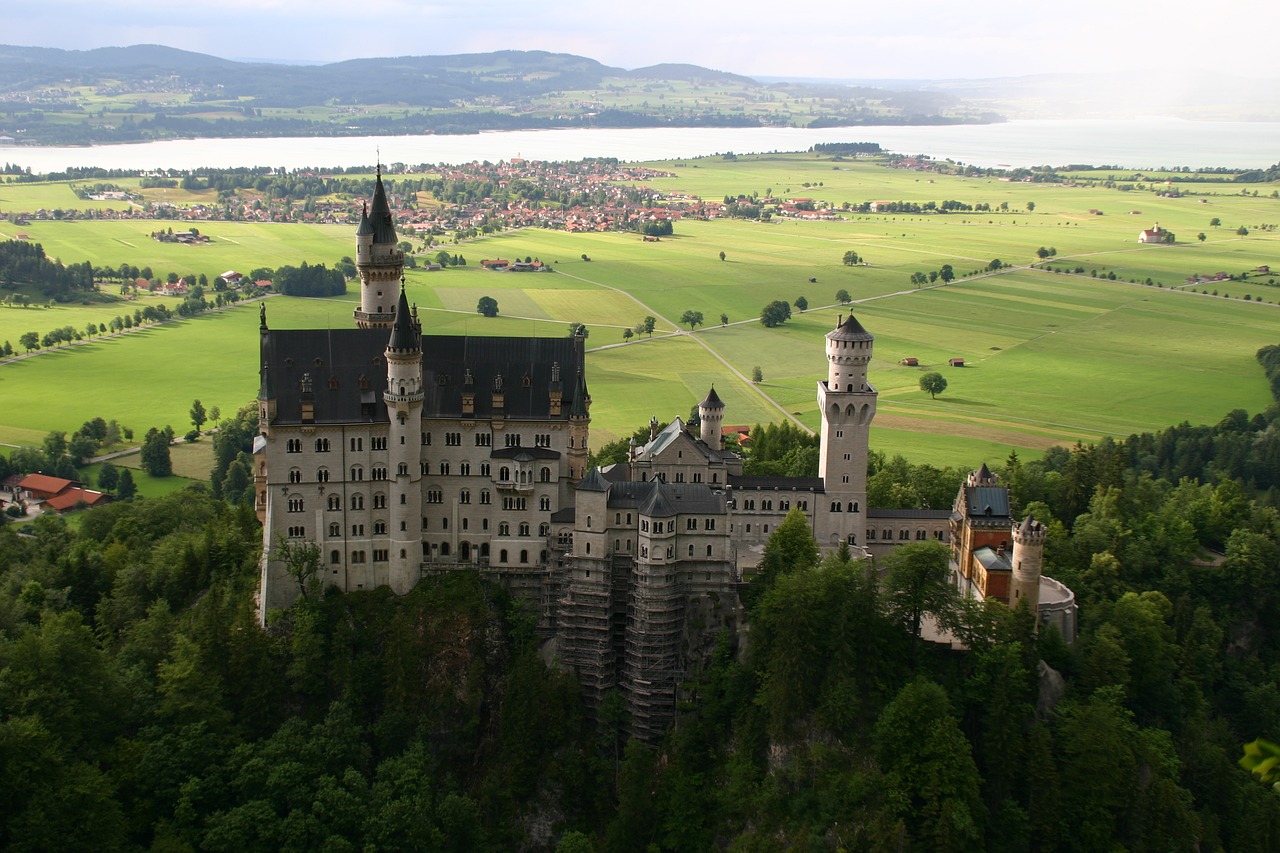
(404,397)
(848,404)
(379,262)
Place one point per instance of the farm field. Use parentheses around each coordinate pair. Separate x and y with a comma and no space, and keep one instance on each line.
(1051,358)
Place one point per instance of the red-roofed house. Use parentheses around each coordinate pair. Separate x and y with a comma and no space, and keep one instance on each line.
(43,487)
(72,498)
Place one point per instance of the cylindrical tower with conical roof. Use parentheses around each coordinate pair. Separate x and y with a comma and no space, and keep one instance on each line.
(711,419)
(404,397)
(379,262)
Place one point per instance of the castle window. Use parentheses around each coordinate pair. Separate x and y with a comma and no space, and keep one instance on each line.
(783,506)
(378,443)
(335,502)
(295,504)
(690,549)
(424,467)
(839,433)
(444,549)
(485,497)
(502,555)
(512,439)
(628,546)
(671,555)
(295,476)
(544,476)
(871,534)
(380,555)
(804,505)
(335,529)
(378,473)
(697,476)
(453,439)
(357,530)
(504,529)
(886,534)
(379,501)
(854,507)
(709,524)
(297,532)
(644,550)
(357,556)
(588,522)
(691,524)
(544,529)
(335,557)
(379,528)
(524,528)
(767,506)
(921,535)
(464,469)
(426,439)
(444,523)
(402,470)
(844,478)
(679,476)
(322,475)
(542,439)
(484,439)
(464,496)
(504,474)
(708,554)
(715,478)
(853,539)
(357,473)
(748,528)
(766,528)
(357,443)
(435,496)
(524,556)
(357,501)
(484,469)
(484,524)
(293,445)
(644,527)
(444,469)
(835,505)
(904,534)
(322,445)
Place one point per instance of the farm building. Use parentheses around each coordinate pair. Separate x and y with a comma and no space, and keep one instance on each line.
(956,362)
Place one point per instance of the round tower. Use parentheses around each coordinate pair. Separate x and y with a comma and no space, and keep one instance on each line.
(847,402)
(404,396)
(1028,562)
(378,261)
(711,419)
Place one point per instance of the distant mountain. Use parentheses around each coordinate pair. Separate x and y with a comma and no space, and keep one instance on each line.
(690,74)
(50,96)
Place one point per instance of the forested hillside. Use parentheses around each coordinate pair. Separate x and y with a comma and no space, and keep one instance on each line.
(141,706)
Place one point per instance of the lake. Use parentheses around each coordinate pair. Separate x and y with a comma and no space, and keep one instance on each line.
(1138,144)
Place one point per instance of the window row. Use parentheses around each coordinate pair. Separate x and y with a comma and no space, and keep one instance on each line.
(904,535)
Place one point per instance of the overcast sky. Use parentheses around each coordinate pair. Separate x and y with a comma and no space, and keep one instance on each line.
(820,38)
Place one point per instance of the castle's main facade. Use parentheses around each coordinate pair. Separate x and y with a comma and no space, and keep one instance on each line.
(400,454)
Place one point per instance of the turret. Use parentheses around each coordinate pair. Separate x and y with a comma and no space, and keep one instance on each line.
(379,262)
(848,352)
(403,397)
(1028,563)
(579,416)
(711,418)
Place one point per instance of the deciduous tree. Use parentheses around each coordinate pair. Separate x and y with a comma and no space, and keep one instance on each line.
(935,383)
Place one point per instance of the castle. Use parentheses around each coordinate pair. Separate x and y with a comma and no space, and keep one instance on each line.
(399,454)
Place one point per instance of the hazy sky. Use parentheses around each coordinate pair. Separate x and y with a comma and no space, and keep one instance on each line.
(819,38)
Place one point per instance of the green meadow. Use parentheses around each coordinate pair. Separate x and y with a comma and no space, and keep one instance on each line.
(1051,357)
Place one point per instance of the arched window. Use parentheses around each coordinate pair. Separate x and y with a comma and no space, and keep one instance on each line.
(335,557)
(502,555)
(524,528)
(835,506)
(357,473)
(357,501)
(524,556)
(444,549)
(544,503)
(853,507)
(335,529)
(403,469)
(322,475)
(691,550)
(504,474)
(708,550)
(444,468)
(545,475)
(544,529)
(464,496)
(335,502)
(504,529)
(295,476)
